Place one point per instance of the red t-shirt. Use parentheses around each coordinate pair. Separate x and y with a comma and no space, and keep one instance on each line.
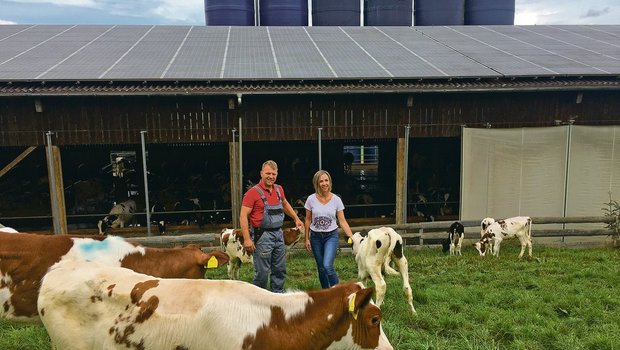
(252,199)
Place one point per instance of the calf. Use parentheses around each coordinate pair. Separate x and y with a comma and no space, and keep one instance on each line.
(486,222)
(157,216)
(231,241)
(374,252)
(456,234)
(495,233)
(120,215)
(86,305)
(25,258)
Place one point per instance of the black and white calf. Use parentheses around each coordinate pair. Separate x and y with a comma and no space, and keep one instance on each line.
(373,252)
(456,234)
(120,215)
(158,216)
(496,232)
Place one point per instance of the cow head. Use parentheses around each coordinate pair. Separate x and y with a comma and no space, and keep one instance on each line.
(356,240)
(105,224)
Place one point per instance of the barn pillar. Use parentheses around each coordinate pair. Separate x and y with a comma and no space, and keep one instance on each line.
(235,190)
(402,150)
(57,192)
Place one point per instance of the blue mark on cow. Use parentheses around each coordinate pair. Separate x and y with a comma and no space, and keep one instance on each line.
(91,248)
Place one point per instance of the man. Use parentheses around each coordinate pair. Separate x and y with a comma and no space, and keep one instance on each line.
(262,215)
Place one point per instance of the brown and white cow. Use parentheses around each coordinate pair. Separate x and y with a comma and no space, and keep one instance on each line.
(86,305)
(496,232)
(374,251)
(25,258)
(231,241)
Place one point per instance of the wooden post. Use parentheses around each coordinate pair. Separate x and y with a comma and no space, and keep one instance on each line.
(235,191)
(401,163)
(57,189)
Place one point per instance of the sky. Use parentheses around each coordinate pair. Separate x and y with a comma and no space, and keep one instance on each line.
(191,12)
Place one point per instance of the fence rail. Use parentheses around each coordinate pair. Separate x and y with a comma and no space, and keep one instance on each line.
(425,231)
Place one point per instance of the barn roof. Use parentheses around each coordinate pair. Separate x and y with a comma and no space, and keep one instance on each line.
(76,59)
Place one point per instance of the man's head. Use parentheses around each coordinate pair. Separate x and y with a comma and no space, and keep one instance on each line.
(269,173)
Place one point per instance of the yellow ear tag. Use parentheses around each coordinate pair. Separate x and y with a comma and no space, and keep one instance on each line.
(352,307)
(212,263)
(349,241)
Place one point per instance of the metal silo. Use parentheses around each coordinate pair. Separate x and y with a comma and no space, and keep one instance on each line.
(490,12)
(336,13)
(283,12)
(439,12)
(229,12)
(387,12)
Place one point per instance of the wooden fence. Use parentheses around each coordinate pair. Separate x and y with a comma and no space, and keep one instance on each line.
(415,232)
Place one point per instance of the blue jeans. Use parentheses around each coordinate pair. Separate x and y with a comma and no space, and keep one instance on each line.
(324,246)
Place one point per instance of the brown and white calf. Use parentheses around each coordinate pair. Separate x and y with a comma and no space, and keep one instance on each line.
(456,234)
(496,232)
(374,251)
(231,241)
(86,305)
(120,215)
(25,258)
(486,222)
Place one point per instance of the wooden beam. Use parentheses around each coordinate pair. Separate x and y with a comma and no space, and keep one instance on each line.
(59,189)
(401,163)
(17,159)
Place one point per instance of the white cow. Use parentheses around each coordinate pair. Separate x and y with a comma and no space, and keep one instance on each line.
(120,215)
(495,233)
(7,229)
(374,252)
(86,305)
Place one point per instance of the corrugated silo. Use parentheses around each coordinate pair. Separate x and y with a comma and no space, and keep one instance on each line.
(283,12)
(336,13)
(229,12)
(387,12)
(490,12)
(439,12)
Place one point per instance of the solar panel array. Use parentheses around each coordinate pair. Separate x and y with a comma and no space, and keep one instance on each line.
(85,52)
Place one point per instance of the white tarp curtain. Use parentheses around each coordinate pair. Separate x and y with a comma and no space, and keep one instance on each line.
(552,171)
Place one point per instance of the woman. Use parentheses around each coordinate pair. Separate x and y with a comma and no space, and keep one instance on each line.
(323,208)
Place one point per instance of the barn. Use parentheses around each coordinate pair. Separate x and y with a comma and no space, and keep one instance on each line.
(90,115)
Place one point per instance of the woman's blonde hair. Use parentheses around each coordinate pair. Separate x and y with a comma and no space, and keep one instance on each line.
(315,181)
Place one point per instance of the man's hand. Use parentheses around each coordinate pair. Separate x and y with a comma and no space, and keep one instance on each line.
(248,246)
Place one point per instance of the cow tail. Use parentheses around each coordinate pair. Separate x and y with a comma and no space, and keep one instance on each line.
(529,228)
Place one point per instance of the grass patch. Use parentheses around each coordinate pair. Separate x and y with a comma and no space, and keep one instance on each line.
(562,299)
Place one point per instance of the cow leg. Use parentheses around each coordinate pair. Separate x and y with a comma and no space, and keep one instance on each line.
(403,267)
(523,242)
(529,245)
(458,246)
(388,269)
(452,248)
(496,245)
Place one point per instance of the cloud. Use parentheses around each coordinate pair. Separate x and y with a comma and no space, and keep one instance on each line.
(3,22)
(595,13)
(79,3)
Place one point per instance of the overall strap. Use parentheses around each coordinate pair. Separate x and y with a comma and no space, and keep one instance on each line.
(261,193)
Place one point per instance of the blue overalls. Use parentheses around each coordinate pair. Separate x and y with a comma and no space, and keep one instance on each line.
(270,253)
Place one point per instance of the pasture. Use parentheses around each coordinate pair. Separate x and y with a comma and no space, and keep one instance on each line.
(562,299)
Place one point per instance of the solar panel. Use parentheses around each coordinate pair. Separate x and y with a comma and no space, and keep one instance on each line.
(88,52)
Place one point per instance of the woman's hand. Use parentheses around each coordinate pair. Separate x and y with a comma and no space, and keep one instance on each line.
(308,247)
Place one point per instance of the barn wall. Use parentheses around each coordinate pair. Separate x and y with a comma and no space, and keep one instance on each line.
(198,119)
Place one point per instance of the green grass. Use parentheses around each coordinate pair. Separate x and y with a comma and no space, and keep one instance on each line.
(562,299)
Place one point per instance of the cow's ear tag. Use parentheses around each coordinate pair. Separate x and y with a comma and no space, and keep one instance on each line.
(349,241)
(212,263)
(352,307)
